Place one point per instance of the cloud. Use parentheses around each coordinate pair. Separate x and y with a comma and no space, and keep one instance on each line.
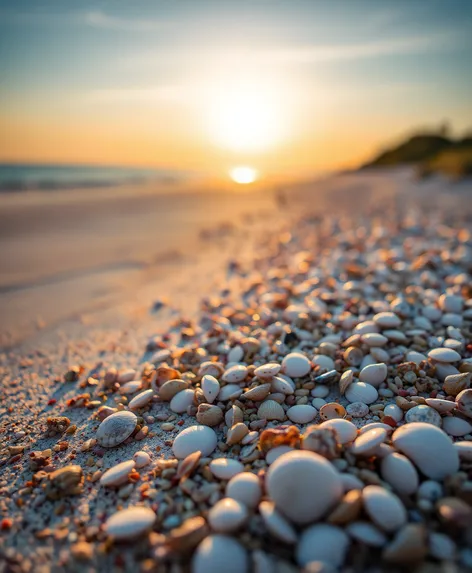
(99,19)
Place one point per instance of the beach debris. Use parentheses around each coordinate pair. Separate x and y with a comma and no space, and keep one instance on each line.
(65,481)
(116,428)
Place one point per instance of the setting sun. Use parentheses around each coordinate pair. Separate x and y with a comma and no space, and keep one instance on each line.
(243,174)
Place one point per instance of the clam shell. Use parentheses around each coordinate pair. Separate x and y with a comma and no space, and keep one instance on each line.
(210,387)
(267,371)
(117,475)
(227,515)
(301,414)
(236,433)
(257,393)
(296,365)
(282,386)
(361,392)
(332,411)
(116,428)
(444,355)
(235,374)
(182,400)
(170,388)
(245,487)
(194,439)
(141,459)
(209,415)
(277,525)
(368,442)
(456,427)
(141,400)
(345,430)
(374,374)
(345,381)
(130,523)
(271,410)
(215,369)
(233,416)
(229,392)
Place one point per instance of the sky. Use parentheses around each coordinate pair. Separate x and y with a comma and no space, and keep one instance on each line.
(286,86)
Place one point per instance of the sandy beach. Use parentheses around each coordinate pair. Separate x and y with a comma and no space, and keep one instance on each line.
(358,246)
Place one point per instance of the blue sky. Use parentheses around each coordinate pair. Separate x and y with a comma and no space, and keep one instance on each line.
(140,68)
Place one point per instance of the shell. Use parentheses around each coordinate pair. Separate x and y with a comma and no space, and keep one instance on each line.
(141,459)
(429,448)
(193,439)
(353,355)
(234,374)
(323,441)
(117,475)
(323,543)
(130,523)
(361,392)
(225,468)
(235,354)
(163,374)
(464,402)
(282,386)
(116,428)
(368,442)
(257,393)
(296,365)
(182,400)
(422,413)
(400,473)
(131,387)
(394,412)
(345,430)
(141,400)
(387,320)
(277,525)
(384,508)
(210,387)
(172,387)
(236,433)
(245,488)
(456,427)
(215,369)
(444,355)
(227,515)
(345,381)
(367,534)
(374,374)
(271,410)
(187,536)
(332,411)
(220,553)
(233,416)
(229,392)
(267,371)
(301,414)
(374,339)
(209,415)
(188,464)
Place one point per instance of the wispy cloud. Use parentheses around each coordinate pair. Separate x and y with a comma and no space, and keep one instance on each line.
(99,19)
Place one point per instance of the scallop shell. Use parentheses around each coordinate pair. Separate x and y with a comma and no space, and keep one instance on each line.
(236,433)
(172,387)
(209,415)
(271,410)
(267,371)
(141,399)
(257,393)
(116,428)
(210,387)
(233,416)
(331,411)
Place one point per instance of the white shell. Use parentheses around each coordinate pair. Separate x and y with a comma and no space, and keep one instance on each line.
(368,442)
(387,320)
(130,523)
(267,371)
(141,459)
(324,543)
(276,523)
(456,427)
(227,515)
(429,448)
(400,473)
(416,357)
(229,392)
(361,392)
(367,533)
(235,354)
(210,387)
(275,453)
(257,393)
(422,413)
(280,385)
(374,374)
(225,468)
(141,399)
(219,553)
(301,414)
(234,374)
(289,484)
(345,430)
(117,475)
(444,355)
(182,400)
(245,487)
(131,387)
(194,439)
(271,410)
(384,508)
(116,428)
(296,365)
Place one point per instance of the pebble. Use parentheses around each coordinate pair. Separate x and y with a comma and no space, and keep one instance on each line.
(456,427)
(235,374)
(444,355)
(322,542)
(397,470)
(131,387)
(441,406)
(116,428)
(210,387)
(296,365)
(278,526)
(442,547)
(464,402)
(361,392)
(220,553)
(387,320)
(301,414)
(368,442)
(194,439)
(225,468)
(245,488)
(408,546)
(141,459)
(324,362)
(227,515)
(367,533)
(267,371)
(394,412)
(181,401)
(424,414)
(275,453)
(464,449)
(320,392)
(290,482)
(374,339)
(357,409)
(229,392)
(428,447)
(384,508)
(130,523)
(141,399)
(374,374)
(346,431)
(117,475)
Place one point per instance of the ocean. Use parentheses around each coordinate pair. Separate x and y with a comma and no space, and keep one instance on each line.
(29,177)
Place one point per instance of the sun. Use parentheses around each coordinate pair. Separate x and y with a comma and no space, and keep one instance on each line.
(243,174)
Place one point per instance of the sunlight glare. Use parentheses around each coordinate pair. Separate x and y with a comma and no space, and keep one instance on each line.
(243,174)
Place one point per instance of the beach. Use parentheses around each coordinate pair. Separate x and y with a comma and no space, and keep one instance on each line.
(348,307)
